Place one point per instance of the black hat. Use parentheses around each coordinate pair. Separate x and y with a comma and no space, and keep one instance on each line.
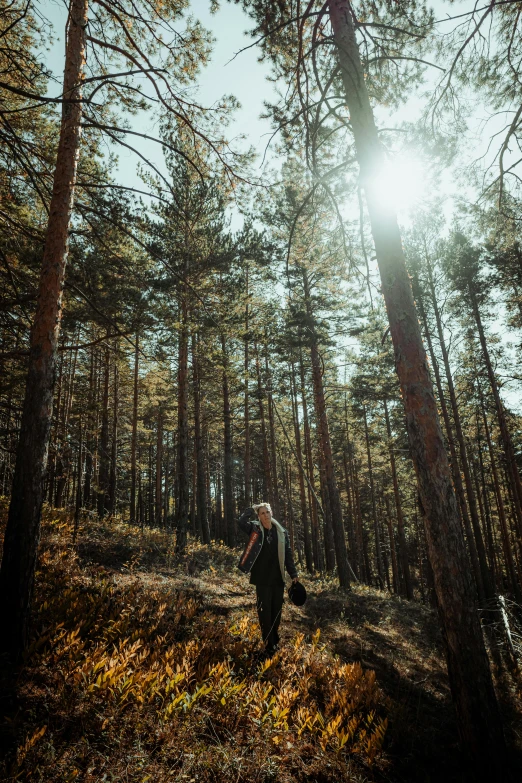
(297,593)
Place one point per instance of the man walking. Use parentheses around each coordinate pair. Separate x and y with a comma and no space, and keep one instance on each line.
(265,558)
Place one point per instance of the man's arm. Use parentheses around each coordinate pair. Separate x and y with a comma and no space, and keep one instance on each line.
(289,559)
(243,521)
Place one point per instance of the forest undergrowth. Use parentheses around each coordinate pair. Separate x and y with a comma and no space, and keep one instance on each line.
(140,669)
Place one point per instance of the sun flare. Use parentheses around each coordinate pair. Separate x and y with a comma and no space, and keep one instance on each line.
(402,183)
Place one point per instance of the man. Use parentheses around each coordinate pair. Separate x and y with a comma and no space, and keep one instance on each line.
(265,558)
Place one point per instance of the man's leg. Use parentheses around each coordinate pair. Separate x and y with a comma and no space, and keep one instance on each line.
(276,607)
(264,610)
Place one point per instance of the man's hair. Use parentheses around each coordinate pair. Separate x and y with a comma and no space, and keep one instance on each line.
(257,506)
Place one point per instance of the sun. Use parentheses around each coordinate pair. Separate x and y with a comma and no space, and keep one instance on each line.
(402,183)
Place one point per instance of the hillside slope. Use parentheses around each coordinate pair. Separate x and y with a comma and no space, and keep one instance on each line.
(143,670)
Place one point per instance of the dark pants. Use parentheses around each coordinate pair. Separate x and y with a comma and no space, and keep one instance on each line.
(269,606)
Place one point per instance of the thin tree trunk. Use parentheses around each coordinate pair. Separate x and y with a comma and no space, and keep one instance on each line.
(468,666)
(159,471)
(341,554)
(457,479)
(393,552)
(378,554)
(512,468)
(248,495)
(134,437)
(316,548)
(201,485)
(183,475)
(506,544)
(103,477)
(302,492)
(229,455)
(79,485)
(114,450)
(483,580)
(267,470)
(276,505)
(403,552)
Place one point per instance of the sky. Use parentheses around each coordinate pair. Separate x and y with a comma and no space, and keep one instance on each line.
(242,76)
(246,78)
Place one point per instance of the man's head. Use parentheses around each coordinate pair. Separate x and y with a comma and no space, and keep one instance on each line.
(264,512)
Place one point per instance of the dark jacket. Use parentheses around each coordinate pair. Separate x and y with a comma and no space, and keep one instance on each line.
(256,535)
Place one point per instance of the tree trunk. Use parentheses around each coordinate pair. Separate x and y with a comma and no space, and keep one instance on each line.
(302,492)
(22,533)
(114,450)
(89,434)
(506,544)
(267,471)
(403,552)
(228,478)
(104,458)
(457,479)
(79,485)
(316,547)
(378,554)
(248,494)
(276,505)
(512,468)
(468,665)
(158,506)
(201,483)
(183,475)
(341,554)
(393,552)
(476,542)
(134,437)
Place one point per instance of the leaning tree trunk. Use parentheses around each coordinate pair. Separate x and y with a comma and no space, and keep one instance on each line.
(468,666)
(22,533)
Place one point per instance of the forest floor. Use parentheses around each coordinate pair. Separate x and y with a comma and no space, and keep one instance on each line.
(142,670)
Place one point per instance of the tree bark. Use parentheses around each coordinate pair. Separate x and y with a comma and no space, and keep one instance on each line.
(113,477)
(228,478)
(248,493)
(158,505)
(302,492)
(378,554)
(134,437)
(104,458)
(403,552)
(476,542)
(457,478)
(316,546)
(341,554)
(267,470)
(183,475)
(468,666)
(23,526)
(201,484)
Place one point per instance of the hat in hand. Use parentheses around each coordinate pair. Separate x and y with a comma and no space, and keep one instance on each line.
(297,593)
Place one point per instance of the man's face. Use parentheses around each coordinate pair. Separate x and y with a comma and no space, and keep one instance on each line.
(265,517)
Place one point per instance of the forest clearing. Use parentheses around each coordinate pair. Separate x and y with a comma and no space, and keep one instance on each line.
(260,390)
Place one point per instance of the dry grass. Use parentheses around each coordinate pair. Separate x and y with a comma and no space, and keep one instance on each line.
(141,669)
(132,675)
